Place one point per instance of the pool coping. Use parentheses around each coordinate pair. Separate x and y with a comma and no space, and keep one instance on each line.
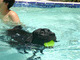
(46,4)
(51,2)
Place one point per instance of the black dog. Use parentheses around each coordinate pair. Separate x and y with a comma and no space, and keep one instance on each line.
(39,36)
(26,40)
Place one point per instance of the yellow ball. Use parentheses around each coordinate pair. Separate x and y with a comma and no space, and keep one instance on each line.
(49,44)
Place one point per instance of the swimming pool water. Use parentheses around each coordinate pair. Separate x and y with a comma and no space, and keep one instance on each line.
(64,22)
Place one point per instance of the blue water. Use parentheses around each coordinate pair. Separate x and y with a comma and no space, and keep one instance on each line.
(64,22)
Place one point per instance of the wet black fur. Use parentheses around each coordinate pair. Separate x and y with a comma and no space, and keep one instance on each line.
(21,39)
(18,35)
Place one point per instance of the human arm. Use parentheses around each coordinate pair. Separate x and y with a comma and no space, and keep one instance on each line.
(14,17)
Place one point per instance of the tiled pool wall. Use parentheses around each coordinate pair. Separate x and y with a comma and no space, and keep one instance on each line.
(45,4)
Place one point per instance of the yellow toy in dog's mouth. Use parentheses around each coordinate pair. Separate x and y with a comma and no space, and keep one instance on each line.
(49,44)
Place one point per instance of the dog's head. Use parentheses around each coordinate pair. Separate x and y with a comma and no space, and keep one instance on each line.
(40,36)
